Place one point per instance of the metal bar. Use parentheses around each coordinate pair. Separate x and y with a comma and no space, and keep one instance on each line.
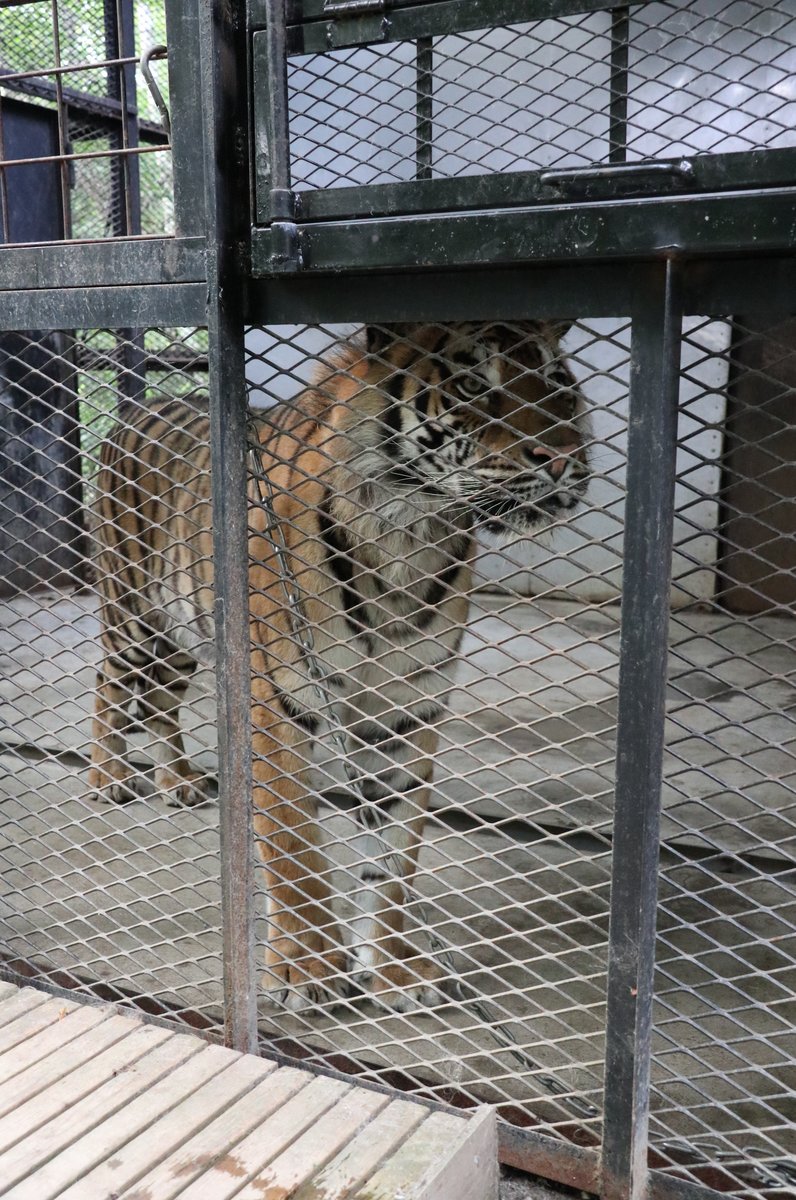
(710,287)
(315,10)
(763,221)
(654,365)
(133,151)
(281,199)
(664,177)
(127,262)
(172,305)
(424,107)
(125,180)
(104,110)
(187,153)
(63,128)
(407,23)
(223,67)
(550,1158)
(617,128)
(4,212)
(121,85)
(58,70)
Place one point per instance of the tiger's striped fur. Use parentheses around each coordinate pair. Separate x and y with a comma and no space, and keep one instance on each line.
(381,473)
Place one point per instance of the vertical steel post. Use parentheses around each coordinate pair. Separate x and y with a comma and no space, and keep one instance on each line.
(424,107)
(617,127)
(223,51)
(282,205)
(654,367)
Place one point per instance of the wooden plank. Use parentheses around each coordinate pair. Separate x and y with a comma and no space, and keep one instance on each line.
(67,1026)
(467,1167)
(358,1160)
(405,1169)
(27,1150)
(230,1173)
(235,1076)
(35,1017)
(22,1001)
(7,990)
(217,1140)
(87,1049)
(305,1157)
(81,1154)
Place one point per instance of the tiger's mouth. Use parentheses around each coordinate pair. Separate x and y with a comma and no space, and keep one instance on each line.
(497,512)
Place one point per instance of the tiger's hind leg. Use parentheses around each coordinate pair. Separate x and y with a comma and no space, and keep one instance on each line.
(112,778)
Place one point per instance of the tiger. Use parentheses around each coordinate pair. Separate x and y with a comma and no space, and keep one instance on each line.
(411,440)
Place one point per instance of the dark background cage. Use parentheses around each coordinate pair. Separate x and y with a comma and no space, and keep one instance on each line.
(614,799)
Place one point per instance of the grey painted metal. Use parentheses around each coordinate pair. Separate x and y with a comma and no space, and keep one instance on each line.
(223,67)
(185,90)
(652,438)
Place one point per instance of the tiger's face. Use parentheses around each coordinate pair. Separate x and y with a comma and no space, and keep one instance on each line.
(482,417)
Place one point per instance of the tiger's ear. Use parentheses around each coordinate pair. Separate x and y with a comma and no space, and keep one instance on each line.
(560,328)
(379,337)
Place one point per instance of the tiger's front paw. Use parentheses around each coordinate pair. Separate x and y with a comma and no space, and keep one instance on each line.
(410,985)
(182,790)
(306,973)
(117,785)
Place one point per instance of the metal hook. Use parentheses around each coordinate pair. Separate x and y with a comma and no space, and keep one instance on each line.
(156,52)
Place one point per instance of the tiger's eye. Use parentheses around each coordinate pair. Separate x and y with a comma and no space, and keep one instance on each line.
(471,385)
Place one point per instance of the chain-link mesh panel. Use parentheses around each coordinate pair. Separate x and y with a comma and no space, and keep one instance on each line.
(121,902)
(479,744)
(723,1101)
(510,898)
(653,81)
(83,153)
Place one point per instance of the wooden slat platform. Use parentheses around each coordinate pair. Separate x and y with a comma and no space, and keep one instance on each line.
(99,1106)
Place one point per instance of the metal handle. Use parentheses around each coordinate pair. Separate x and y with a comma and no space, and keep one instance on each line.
(632,172)
(156,53)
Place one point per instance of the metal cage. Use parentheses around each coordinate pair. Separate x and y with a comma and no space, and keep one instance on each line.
(606,868)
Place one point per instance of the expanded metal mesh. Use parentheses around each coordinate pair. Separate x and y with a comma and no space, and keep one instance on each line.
(514,859)
(116,902)
(722,1107)
(633,84)
(83,153)
(514,866)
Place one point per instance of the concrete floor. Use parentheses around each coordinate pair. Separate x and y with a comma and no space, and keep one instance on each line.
(514,870)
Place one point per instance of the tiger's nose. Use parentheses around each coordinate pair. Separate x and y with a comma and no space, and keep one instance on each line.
(559,456)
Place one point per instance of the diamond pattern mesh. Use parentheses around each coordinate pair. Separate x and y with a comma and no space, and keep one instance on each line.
(656,81)
(514,860)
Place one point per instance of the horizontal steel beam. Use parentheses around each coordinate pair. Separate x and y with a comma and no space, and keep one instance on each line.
(93,307)
(710,288)
(757,222)
(663,178)
(311,31)
(112,263)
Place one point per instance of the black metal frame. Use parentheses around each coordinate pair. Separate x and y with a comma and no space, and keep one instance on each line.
(652,259)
